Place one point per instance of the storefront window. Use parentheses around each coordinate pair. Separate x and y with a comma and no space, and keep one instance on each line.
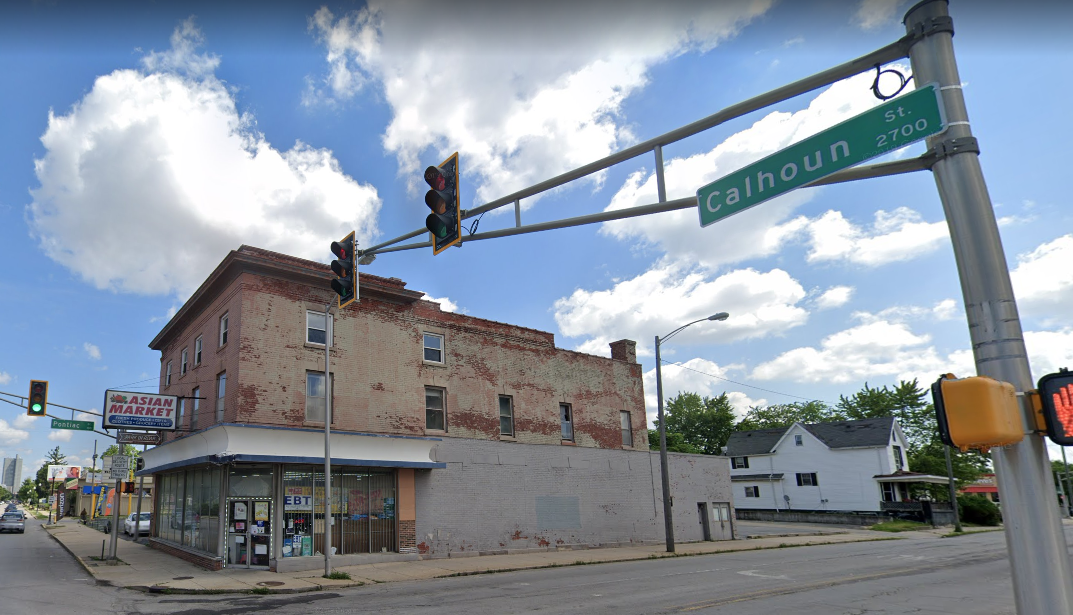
(188,510)
(250,482)
(297,511)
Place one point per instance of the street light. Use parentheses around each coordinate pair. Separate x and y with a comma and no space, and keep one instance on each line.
(664,473)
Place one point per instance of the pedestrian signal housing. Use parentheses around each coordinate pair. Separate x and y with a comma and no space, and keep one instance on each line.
(977,412)
(1056,397)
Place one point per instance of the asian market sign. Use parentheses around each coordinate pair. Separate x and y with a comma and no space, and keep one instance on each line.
(126,410)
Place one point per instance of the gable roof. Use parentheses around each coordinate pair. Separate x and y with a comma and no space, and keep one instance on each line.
(838,434)
(756,442)
(851,434)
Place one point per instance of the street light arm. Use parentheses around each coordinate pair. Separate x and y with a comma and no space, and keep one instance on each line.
(675,332)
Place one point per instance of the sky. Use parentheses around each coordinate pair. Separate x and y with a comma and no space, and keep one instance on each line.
(143,141)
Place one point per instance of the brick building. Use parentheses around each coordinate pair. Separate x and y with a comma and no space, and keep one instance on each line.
(451,435)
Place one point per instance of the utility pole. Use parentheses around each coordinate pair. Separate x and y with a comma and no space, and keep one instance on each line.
(141,490)
(953,490)
(1036,545)
(330,333)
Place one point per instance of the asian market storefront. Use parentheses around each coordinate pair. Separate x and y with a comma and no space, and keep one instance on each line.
(236,511)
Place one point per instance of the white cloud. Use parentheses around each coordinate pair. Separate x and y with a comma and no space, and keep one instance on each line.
(535,88)
(873,14)
(668,296)
(762,230)
(60,435)
(833,297)
(895,236)
(11,435)
(878,348)
(943,310)
(446,305)
(92,351)
(1043,278)
(1049,350)
(165,152)
(23,421)
(698,376)
(5,378)
(170,313)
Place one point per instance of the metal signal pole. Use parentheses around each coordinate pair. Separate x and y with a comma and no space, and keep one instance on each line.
(1034,538)
(327,439)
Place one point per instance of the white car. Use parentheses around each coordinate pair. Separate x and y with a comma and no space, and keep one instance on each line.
(143,524)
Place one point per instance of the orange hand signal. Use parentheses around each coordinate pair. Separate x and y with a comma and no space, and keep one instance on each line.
(1063,408)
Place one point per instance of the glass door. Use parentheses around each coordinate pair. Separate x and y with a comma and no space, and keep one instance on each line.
(238,529)
(260,534)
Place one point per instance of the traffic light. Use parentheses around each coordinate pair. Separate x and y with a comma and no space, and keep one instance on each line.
(1056,397)
(445,221)
(38,398)
(346,284)
(976,412)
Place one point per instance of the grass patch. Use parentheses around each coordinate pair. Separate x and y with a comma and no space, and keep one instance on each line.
(337,575)
(261,591)
(899,525)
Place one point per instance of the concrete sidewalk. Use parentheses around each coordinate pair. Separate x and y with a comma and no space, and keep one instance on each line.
(147,569)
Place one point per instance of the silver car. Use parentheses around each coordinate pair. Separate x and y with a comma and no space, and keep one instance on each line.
(13,522)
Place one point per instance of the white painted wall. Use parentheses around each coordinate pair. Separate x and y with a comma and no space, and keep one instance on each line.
(845,476)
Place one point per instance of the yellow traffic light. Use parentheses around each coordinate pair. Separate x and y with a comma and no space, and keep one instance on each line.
(976,412)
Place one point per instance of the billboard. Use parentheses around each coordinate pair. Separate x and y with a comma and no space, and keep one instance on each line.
(126,410)
(58,474)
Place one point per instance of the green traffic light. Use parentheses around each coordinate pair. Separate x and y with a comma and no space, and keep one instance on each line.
(36,407)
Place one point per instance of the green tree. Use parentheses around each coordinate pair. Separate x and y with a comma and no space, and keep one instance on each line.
(676,443)
(704,422)
(784,415)
(53,457)
(128,451)
(28,491)
(906,402)
(5,494)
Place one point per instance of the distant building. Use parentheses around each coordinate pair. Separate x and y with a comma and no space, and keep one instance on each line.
(12,478)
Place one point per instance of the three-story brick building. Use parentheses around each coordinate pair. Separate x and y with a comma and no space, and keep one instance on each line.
(451,435)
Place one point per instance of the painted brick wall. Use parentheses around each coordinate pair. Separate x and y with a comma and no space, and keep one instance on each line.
(497,496)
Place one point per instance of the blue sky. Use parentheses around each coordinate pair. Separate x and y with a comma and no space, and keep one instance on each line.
(141,142)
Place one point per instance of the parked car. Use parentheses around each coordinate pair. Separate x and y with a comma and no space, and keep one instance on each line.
(13,522)
(143,524)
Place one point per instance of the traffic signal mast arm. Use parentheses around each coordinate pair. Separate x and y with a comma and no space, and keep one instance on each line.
(54,417)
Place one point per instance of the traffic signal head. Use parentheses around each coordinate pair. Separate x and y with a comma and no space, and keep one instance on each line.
(445,221)
(38,398)
(976,412)
(346,284)
(1056,397)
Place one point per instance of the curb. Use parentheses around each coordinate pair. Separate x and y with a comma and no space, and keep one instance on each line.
(78,559)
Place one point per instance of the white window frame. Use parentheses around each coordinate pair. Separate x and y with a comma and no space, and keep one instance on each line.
(182,413)
(323,402)
(182,363)
(329,331)
(799,440)
(898,461)
(167,375)
(566,418)
(442,349)
(197,407)
(509,416)
(221,395)
(224,323)
(739,463)
(626,423)
(197,351)
(755,491)
(807,479)
(442,409)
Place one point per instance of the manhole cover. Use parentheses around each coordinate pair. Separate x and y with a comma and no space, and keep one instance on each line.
(182,578)
(270,583)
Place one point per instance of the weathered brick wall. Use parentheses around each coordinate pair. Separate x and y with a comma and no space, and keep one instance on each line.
(499,496)
(205,561)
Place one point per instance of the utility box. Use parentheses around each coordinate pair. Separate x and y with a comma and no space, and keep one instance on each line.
(977,412)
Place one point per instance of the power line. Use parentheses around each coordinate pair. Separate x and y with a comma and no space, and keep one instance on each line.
(745,384)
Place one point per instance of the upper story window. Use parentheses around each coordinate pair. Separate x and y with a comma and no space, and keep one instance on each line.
(167,375)
(566,419)
(197,351)
(316,397)
(799,440)
(807,479)
(221,389)
(433,348)
(627,428)
(182,364)
(223,330)
(752,492)
(197,406)
(739,462)
(182,412)
(506,415)
(898,464)
(435,414)
(317,326)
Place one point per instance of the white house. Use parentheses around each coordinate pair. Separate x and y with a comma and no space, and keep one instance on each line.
(839,466)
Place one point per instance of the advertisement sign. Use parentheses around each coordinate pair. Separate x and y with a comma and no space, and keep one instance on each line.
(137,437)
(71,483)
(61,473)
(123,409)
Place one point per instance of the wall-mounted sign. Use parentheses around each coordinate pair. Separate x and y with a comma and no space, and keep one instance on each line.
(123,409)
(136,437)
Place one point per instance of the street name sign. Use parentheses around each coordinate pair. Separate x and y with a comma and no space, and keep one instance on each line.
(77,425)
(134,437)
(887,127)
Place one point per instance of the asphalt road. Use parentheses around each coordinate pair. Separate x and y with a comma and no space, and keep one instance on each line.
(965,575)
